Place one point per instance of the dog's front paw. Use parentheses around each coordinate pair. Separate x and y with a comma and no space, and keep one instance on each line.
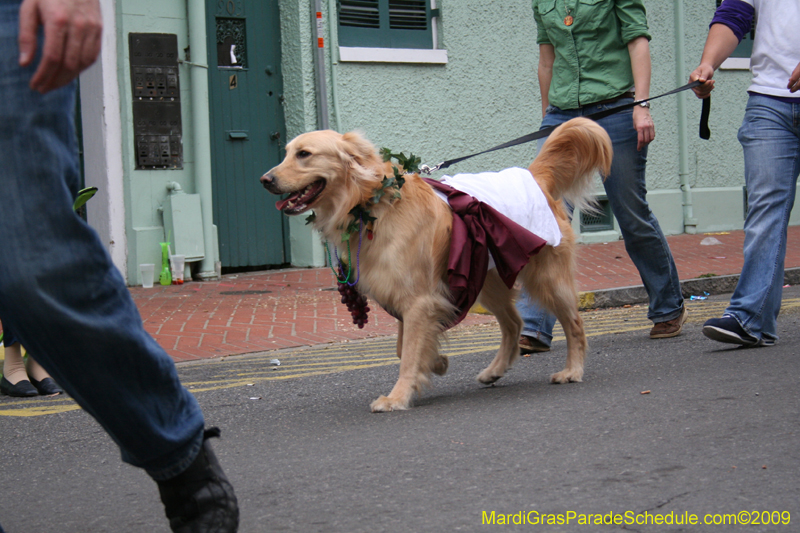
(487,377)
(384,404)
(567,376)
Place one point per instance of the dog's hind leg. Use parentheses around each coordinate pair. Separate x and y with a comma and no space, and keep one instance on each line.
(551,282)
(498,299)
(420,354)
(566,311)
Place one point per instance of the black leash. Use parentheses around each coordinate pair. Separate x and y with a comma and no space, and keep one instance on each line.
(705,133)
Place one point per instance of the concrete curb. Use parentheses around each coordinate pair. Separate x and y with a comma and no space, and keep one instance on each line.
(636,294)
(697,287)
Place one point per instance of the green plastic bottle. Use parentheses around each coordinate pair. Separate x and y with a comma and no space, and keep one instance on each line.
(165,278)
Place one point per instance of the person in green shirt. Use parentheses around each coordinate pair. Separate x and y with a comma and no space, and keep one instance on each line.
(594,55)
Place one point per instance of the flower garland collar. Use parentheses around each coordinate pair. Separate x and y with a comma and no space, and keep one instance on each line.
(390,188)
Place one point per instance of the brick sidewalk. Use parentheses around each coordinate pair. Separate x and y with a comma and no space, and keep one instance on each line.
(275,309)
(251,312)
(607,266)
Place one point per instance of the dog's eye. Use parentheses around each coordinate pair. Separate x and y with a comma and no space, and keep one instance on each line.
(302,154)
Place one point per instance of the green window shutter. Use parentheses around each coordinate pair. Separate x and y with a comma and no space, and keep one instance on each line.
(385,23)
(745,48)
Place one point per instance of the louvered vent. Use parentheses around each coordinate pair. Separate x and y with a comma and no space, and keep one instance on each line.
(601,219)
(408,15)
(359,14)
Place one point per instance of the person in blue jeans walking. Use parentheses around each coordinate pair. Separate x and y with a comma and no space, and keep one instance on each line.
(60,292)
(770,139)
(595,56)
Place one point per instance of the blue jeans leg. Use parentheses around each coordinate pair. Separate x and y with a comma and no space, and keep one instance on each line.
(770,138)
(644,241)
(536,321)
(59,291)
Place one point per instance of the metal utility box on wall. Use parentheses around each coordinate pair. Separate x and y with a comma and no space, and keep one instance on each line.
(156,101)
(183,225)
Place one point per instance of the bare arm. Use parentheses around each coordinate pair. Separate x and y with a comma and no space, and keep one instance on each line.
(547,55)
(72,34)
(720,43)
(639,50)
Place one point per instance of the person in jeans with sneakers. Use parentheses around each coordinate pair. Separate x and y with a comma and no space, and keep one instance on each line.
(594,56)
(59,291)
(770,139)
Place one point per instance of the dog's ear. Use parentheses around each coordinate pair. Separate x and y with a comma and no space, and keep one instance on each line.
(359,148)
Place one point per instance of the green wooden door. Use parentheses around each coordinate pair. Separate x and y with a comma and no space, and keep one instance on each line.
(247,130)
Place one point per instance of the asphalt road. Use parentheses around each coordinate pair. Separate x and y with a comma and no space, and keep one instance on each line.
(717,434)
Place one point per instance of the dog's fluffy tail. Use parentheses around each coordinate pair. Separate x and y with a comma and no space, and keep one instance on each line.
(569,160)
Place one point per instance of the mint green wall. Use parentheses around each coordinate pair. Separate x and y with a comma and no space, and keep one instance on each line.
(300,108)
(146,190)
(486,94)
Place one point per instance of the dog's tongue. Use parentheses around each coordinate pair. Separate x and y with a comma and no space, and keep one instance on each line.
(280,205)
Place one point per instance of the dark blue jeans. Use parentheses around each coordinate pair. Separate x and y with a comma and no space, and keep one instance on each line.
(644,241)
(59,291)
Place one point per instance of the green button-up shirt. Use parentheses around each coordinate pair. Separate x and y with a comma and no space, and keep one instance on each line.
(591,55)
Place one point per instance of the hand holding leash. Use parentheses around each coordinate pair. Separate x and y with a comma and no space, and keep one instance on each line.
(703,74)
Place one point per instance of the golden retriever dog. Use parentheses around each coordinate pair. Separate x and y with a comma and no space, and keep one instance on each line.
(403,267)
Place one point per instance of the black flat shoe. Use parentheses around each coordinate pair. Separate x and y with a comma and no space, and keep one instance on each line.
(21,389)
(47,387)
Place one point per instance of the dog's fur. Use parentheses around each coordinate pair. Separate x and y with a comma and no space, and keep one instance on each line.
(404,268)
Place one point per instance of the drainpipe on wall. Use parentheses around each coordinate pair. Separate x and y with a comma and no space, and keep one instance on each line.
(202,140)
(689,222)
(333,43)
(319,66)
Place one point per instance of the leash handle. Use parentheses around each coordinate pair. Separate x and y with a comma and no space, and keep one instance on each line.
(705,132)
(594,116)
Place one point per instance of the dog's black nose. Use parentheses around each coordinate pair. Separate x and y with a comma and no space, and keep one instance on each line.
(270,182)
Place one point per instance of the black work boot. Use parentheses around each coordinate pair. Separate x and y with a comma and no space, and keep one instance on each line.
(200,499)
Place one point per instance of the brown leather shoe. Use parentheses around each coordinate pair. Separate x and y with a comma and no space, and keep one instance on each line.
(529,345)
(670,328)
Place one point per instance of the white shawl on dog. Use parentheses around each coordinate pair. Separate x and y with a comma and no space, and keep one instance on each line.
(515,194)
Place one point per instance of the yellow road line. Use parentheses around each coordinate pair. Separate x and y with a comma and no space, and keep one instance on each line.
(40,410)
(373,353)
